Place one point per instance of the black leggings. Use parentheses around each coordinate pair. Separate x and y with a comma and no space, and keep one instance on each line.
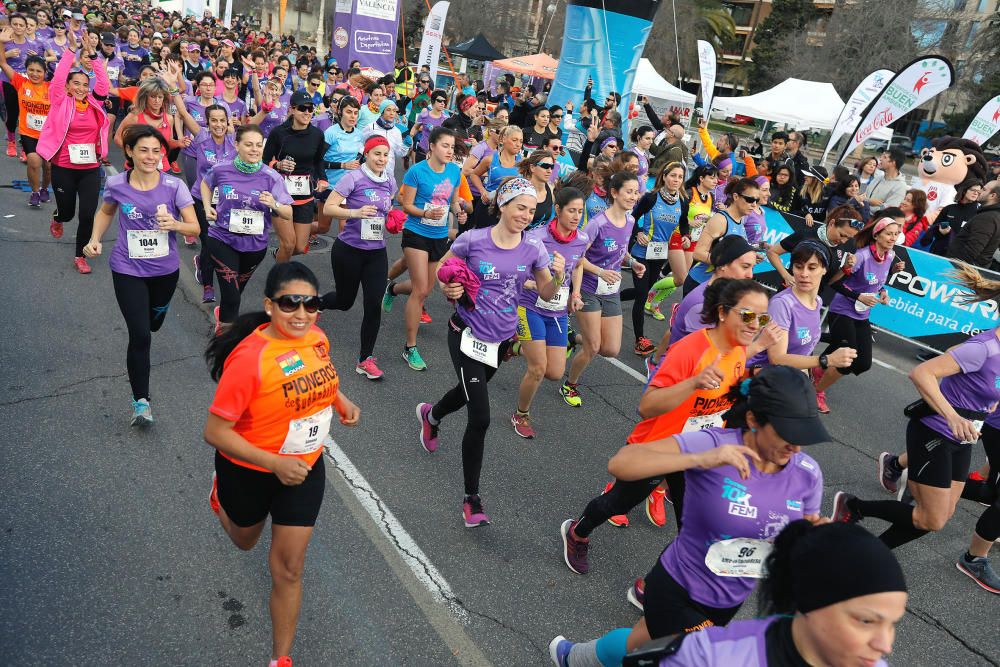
(204,256)
(70,184)
(637,293)
(988,526)
(354,268)
(848,332)
(144,303)
(471,391)
(10,104)
(620,499)
(234,269)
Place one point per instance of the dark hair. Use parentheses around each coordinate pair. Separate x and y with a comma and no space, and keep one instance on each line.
(638,132)
(836,215)
(618,181)
(438,132)
(897,156)
(841,189)
(245,129)
(866,236)
(216,107)
(890,212)
(346,102)
(726,293)
(739,186)
(780,135)
(34,60)
(567,194)
(133,133)
(661,177)
(808,249)
(220,347)
(919,202)
(201,75)
(536,156)
(699,173)
(839,173)
(775,594)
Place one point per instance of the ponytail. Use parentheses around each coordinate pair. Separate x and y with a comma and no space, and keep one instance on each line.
(978,288)
(221,346)
(776,592)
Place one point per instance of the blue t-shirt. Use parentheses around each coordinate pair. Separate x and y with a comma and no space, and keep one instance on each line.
(435,190)
(342,147)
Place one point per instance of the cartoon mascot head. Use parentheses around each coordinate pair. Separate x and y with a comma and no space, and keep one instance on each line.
(953,161)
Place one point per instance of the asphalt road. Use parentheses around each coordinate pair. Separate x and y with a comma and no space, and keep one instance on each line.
(109,553)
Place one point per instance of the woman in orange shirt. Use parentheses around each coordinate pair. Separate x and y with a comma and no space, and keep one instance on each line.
(271,414)
(33,104)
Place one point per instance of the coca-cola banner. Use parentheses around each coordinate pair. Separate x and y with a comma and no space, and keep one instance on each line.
(986,123)
(916,83)
(859,100)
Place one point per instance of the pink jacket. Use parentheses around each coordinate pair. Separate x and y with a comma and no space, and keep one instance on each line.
(56,126)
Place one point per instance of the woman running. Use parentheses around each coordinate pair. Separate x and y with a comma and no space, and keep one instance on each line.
(363,198)
(535,134)
(837,234)
(150,209)
(204,85)
(272,109)
(862,289)
(755,222)
(271,413)
(17,48)
(597,199)
(73,140)
(766,481)
(385,126)
(251,196)
(426,196)
(958,392)
(33,105)
(642,138)
(536,168)
(502,259)
(151,108)
(543,326)
(489,145)
(600,319)
(699,188)
(426,122)
(833,595)
(344,141)
(743,195)
(493,169)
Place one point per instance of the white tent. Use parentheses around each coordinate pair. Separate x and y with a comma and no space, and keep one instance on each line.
(662,96)
(795,102)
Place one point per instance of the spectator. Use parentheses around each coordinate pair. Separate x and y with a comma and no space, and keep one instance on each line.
(783,188)
(796,143)
(952,218)
(848,192)
(914,205)
(869,173)
(611,126)
(891,188)
(778,155)
(976,242)
(814,196)
(671,149)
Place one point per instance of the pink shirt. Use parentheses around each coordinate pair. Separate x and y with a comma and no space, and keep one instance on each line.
(83,129)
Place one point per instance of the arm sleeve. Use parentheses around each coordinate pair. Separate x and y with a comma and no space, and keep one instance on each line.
(684,225)
(972,242)
(271,147)
(643,206)
(57,88)
(813,498)
(699,160)
(182,197)
(750,166)
(101,82)
(319,173)
(696,441)
(279,191)
(681,367)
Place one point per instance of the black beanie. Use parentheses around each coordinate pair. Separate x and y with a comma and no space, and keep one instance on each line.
(840,561)
(728,249)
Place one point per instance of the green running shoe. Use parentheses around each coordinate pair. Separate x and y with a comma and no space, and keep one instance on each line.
(413,359)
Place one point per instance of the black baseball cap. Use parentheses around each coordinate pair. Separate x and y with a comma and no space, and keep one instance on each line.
(788,401)
(109,38)
(301,97)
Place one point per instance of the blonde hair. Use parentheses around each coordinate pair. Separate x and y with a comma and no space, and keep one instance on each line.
(978,288)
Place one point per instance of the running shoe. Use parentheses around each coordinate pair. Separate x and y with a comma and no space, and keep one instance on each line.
(522,425)
(574,548)
(974,476)
(175,168)
(428,431)
(283,661)
(197,269)
(22,156)
(388,298)
(559,649)
(81,265)
(618,520)
(11,148)
(655,511)
(472,511)
(666,496)
(636,594)
(369,369)
(643,346)
(821,403)
(207,294)
(413,359)
(650,363)
(35,200)
(980,571)
(571,395)
(841,512)
(44,195)
(213,495)
(653,310)
(889,472)
(218,323)
(56,229)
(903,494)
(424,317)
(189,240)
(142,414)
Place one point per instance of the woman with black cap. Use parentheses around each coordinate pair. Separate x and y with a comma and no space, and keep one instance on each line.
(833,595)
(709,570)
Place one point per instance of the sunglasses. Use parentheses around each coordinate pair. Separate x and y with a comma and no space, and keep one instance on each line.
(545,165)
(289,303)
(314,84)
(557,116)
(855,224)
(305,107)
(439,101)
(747,316)
(750,200)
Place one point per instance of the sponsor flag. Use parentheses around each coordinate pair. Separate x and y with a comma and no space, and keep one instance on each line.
(986,123)
(707,67)
(860,98)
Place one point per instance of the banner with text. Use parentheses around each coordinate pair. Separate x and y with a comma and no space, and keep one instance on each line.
(430,45)
(707,67)
(924,303)
(860,98)
(986,123)
(366,30)
(916,83)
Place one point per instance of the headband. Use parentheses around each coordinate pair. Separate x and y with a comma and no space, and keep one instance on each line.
(761,180)
(882,224)
(817,248)
(607,142)
(515,187)
(468,103)
(375,141)
(725,164)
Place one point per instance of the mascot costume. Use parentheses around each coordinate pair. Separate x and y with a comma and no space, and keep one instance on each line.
(950,164)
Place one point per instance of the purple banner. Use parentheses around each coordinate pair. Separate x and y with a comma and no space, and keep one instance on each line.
(366,30)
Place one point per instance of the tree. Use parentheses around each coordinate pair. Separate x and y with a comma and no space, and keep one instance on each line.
(700,19)
(980,80)
(785,27)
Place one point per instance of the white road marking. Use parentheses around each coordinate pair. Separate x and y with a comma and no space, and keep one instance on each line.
(888,366)
(625,367)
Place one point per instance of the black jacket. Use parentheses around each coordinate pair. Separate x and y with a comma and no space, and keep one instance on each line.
(976,242)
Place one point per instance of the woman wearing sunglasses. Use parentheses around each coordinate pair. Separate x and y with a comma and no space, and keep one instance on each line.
(250,196)
(744,194)
(150,209)
(536,168)
(836,234)
(272,411)
(427,120)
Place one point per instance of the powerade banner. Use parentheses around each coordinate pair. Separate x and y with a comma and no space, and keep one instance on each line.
(706,67)
(860,98)
(986,123)
(923,301)
(603,41)
(366,30)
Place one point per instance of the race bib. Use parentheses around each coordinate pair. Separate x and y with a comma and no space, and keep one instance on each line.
(113,74)
(215,195)
(82,153)
(738,557)
(558,303)
(860,307)
(605,288)
(443,222)
(297,185)
(246,221)
(147,244)
(701,422)
(696,234)
(656,250)
(307,434)
(372,229)
(978,425)
(480,350)
(34,121)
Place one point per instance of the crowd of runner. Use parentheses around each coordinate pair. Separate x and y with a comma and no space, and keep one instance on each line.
(529,218)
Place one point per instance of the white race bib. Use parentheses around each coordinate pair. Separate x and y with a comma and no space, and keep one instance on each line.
(696,234)
(605,288)
(215,195)
(297,185)
(307,434)
(656,250)
(480,350)
(557,303)
(978,425)
(246,221)
(860,307)
(82,153)
(701,422)
(34,121)
(147,244)
(373,229)
(738,557)
(113,74)
(443,222)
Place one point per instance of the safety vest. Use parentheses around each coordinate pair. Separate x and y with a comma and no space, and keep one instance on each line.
(405,89)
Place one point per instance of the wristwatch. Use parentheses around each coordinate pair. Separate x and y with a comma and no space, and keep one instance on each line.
(824,362)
